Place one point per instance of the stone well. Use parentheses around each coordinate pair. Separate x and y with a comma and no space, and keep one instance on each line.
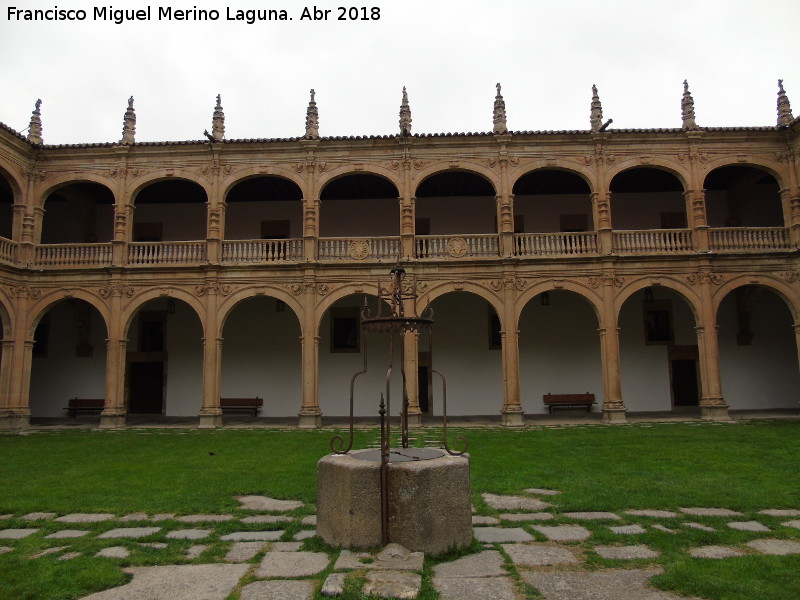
(429,496)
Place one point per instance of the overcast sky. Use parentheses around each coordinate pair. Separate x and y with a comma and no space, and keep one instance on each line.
(448,53)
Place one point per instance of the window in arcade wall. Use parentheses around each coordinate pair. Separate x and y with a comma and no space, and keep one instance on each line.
(658,322)
(345,330)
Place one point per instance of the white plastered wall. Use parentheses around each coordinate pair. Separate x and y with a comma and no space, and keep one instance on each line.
(243,219)
(542,213)
(559,350)
(360,218)
(765,373)
(458,215)
(62,374)
(261,357)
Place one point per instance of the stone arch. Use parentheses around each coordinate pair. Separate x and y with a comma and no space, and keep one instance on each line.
(744,195)
(777,170)
(228,305)
(146,180)
(139,300)
(6,319)
(260,206)
(10,194)
(46,302)
(60,181)
(440,289)
(466,166)
(586,292)
(685,291)
(359,204)
(332,175)
(782,289)
(660,163)
(330,298)
(239,175)
(78,210)
(9,173)
(170,208)
(585,173)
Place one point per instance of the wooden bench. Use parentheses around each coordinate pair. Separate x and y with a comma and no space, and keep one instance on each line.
(89,406)
(251,405)
(552,401)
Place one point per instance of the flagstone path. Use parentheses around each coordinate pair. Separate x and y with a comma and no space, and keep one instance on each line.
(269,563)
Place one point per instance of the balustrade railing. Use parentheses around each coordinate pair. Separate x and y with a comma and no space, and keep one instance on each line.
(653,241)
(261,251)
(749,239)
(457,246)
(555,244)
(73,255)
(161,253)
(362,248)
(8,251)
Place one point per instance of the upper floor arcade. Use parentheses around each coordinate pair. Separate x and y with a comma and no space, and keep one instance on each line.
(476,197)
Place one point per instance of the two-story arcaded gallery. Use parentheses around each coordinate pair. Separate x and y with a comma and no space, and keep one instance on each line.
(654,268)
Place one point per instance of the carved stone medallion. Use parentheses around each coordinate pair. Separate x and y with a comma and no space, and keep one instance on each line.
(457,247)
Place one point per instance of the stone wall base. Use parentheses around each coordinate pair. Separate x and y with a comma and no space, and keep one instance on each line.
(513,418)
(714,413)
(614,416)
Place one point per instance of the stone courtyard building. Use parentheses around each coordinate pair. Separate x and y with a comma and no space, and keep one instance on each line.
(654,268)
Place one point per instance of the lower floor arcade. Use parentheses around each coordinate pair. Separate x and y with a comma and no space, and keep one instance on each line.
(639,345)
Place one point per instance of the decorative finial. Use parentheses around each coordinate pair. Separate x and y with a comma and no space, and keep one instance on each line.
(499,113)
(405,115)
(129,125)
(687,108)
(596,113)
(218,122)
(35,128)
(312,119)
(784,108)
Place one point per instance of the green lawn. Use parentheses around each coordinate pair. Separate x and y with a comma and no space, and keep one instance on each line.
(747,466)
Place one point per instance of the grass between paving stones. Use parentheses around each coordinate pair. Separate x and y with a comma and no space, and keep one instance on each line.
(745,466)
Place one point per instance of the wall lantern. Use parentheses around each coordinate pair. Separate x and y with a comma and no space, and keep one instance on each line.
(648,295)
(545,299)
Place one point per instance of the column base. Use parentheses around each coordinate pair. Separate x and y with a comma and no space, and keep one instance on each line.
(513,418)
(112,421)
(615,416)
(210,421)
(715,413)
(310,421)
(11,421)
(414,420)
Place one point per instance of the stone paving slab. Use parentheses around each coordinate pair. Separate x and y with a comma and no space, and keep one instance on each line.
(266,519)
(628,529)
(481,520)
(624,584)
(114,552)
(711,512)
(626,552)
(780,512)
(292,564)
(85,518)
(129,532)
(518,517)
(69,555)
(6,517)
(16,534)
(514,502)
(541,492)
(139,516)
(715,552)
(309,520)
(279,590)
(188,534)
(162,517)
(244,551)
(699,526)
(67,533)
(266,504)
(748,526)
(393,584)
(593,516)
(49,551)
(775,547)
(485,564)
(655,514)
(38,516)
(4,549)
(493,535)
(660,527)
(334,585)
(563,533)
(286,546)
(795,524)
(537,555)
(305,534)
(475,588)
(205,518)
(252,536)
(198,582)
(195,551)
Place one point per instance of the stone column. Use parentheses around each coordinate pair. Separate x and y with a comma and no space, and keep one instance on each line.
(511,411)
(410,360)
(601,212)
(17,356)
(211,412)
(505,221)
(613,407)
(791,215)
(7,421)
(408,213)
(114,411)
(795,326)
(18,211)
(123,215)
(712,403)
(310,414)
(696,212)
(310,228)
